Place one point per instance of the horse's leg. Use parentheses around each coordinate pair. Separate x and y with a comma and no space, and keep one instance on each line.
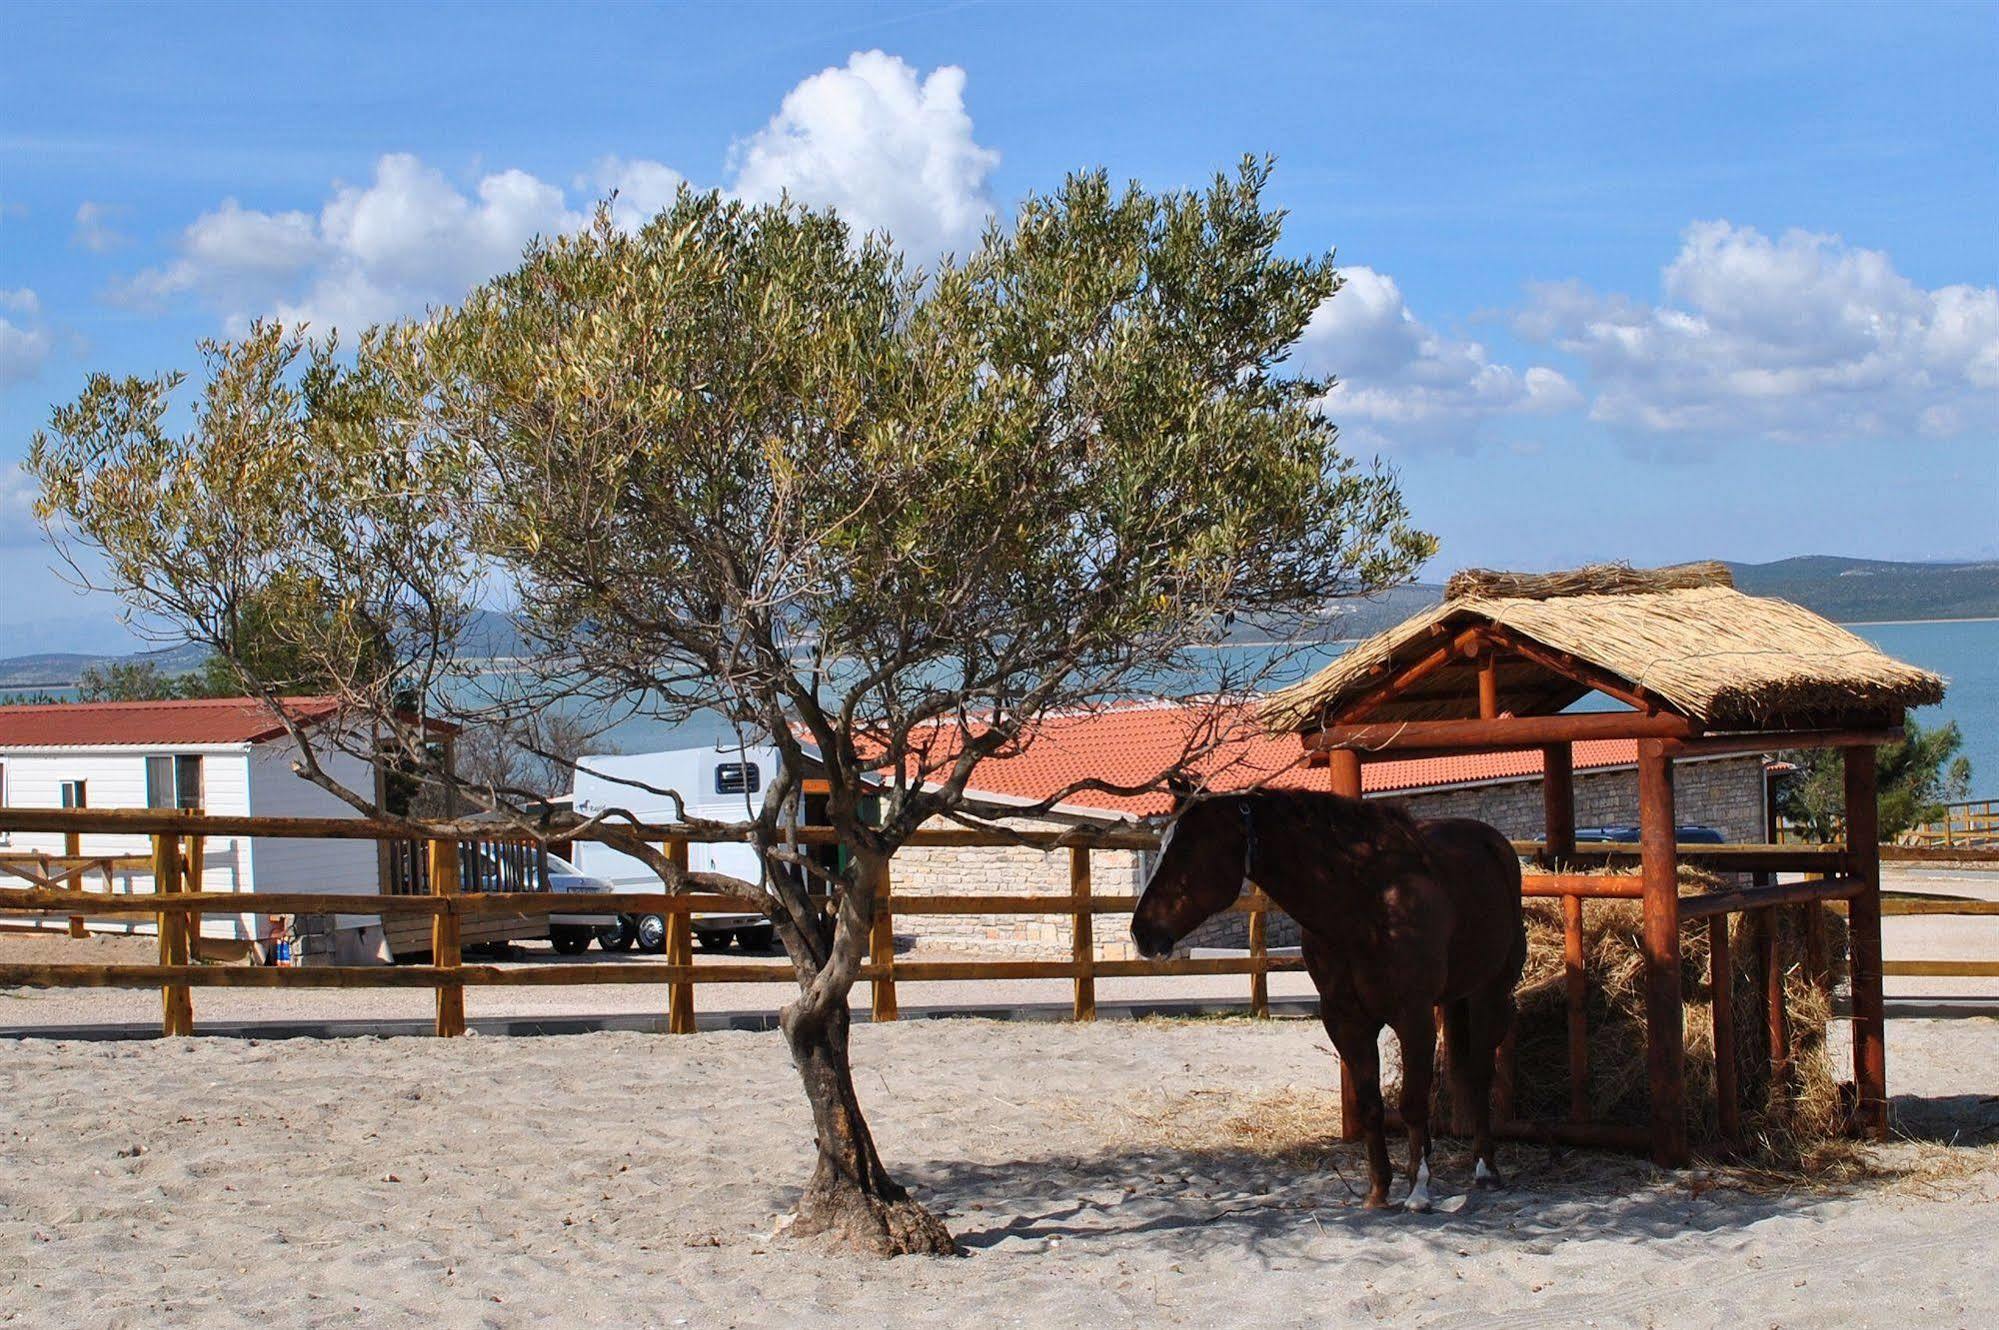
(1491,1017)
(1457,1049)
(1360,1054)
(1417,1032)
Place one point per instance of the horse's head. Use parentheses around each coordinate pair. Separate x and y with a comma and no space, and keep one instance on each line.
(1198,874)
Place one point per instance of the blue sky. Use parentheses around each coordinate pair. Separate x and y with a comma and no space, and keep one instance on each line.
(1643,282)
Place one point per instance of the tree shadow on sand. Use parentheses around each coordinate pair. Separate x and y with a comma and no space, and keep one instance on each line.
(1305,1199)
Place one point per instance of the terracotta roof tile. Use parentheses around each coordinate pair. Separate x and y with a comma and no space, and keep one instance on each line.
(208,720)
(1132,745)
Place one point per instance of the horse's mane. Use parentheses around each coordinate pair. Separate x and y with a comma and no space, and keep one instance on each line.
(1350,819)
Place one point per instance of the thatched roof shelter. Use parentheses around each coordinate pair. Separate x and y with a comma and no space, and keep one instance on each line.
(1680,640)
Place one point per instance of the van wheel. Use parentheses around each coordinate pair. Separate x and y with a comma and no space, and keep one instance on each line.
(652,934)
(713,939)
(569,941)
(760,938)
(618,936)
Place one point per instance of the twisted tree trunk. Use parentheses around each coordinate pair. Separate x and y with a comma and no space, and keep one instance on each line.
(851,1201)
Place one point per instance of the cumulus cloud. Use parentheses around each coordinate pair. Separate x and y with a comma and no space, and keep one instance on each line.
(891,151)
(93,230)
(24,343)
(407,239)
(1803,336)
(1401,380)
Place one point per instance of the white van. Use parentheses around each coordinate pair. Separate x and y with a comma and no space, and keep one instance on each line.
(723,784)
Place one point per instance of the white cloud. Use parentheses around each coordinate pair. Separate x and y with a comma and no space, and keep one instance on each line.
(94,231)
(24,343)
(1402,381)
(407,239)
(889,151)
(18,493)
(643,189)
(1799,337)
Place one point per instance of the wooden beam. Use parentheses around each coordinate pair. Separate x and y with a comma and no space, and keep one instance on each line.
(1506,733)
(1082,940)
(679,952)
(1721,979)
(1863,922)
(1760,898)
(445,951)
(881,949)
(1558,801)
(1344,778)
(176,1001)
(1576,996)
(1581,671)
(1665,1011)
(1770,741)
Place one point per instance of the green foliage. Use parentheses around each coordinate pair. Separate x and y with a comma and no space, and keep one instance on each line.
(129,681)
(1916,777)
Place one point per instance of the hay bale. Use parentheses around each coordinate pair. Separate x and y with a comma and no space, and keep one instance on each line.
(1596,579)
(1781,1122)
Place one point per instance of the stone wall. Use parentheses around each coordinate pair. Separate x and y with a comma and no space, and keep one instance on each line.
(1724,793)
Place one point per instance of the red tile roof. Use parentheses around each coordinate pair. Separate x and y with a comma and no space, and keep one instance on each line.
(208,720)
(1133,745)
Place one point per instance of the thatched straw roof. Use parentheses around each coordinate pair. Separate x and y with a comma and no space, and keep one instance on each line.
(1681,635)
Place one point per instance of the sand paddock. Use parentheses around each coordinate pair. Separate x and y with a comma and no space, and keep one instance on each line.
(628,1179)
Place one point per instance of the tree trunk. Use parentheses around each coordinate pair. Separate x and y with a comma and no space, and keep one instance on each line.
(851,1202)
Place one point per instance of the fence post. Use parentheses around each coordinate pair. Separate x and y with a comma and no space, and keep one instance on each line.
(680,953)
(1863,921)
(72,849)
(881,948)
(1665,1007)
(446,951)
(176,1002)
(1576,996)
(1082,935)
(1259,953)
(1721,978)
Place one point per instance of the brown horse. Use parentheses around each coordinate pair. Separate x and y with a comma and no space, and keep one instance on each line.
(1399,918)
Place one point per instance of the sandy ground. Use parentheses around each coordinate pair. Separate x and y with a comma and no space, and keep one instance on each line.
(626,1179)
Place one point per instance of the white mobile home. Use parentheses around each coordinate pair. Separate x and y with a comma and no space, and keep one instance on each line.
(221,755)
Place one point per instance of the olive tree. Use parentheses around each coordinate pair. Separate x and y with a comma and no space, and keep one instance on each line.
(744,462)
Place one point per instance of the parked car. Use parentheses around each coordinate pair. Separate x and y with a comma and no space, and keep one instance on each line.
(1689,834)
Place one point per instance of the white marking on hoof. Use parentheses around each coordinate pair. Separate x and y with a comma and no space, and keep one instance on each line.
(1419,1195)
(1483,1174)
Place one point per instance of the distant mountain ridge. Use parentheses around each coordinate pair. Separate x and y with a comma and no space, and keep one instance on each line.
(1843,590)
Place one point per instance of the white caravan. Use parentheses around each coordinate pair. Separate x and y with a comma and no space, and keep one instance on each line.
(725,784)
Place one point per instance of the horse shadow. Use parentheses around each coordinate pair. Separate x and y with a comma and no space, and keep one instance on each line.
(1200,1200)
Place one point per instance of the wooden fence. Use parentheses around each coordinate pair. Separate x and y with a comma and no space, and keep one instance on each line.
(58,885)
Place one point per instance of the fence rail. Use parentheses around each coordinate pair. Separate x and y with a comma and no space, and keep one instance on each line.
(57,886)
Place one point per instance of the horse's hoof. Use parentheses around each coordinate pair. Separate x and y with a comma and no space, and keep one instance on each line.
(1487,1179)
(1417,1205)
(1375,1201)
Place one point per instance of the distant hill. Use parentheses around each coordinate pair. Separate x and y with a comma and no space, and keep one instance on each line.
(60,669)
(1871,590)
(1844,590)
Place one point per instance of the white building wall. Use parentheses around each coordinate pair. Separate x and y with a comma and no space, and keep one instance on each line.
(275,790)
(117,779)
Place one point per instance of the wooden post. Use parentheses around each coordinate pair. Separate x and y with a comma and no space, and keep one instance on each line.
(1578,1004)
(193,878)
(446,950)
(1558,801)
(1721,976)
(72,848)
(1488,688)
(1770,961)
(176,1000)
(881,948)
(1082,935)
(1863,921)
(1259,953)
(1343,776)
(680,952)
(1665,1013)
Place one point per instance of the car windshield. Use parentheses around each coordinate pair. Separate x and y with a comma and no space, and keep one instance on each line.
(559,866)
